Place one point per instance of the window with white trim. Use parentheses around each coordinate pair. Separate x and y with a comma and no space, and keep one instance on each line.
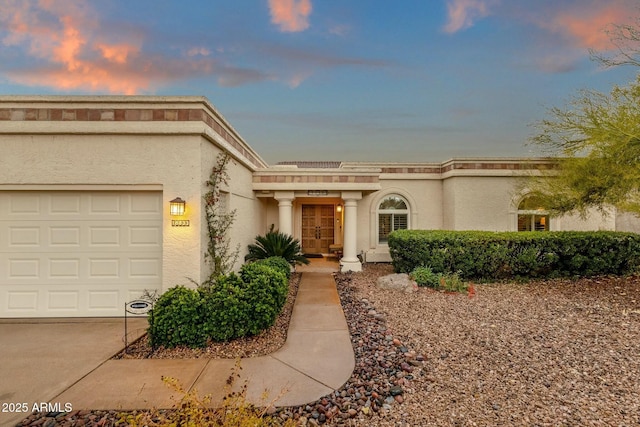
(393,214)
(532,216)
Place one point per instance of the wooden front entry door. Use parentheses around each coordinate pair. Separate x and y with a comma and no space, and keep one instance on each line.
(317,228)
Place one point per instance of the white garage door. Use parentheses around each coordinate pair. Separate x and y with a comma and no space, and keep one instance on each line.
(77,253)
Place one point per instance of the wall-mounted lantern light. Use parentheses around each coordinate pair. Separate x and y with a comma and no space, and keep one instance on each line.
(339,208)
(176,207)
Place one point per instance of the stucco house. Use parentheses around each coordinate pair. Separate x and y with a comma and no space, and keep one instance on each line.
(86,184)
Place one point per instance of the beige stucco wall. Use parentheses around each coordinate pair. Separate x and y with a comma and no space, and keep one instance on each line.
(270,214)
(178,167)
(490,203)
(425,199)
(478,203)
(130,162)
(626,221)
(594,221)
(133,143)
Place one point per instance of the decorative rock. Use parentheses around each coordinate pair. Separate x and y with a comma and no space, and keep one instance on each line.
(396,390)
(398,281)
(406,367)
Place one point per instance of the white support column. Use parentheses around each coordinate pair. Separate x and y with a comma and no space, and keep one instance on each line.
(285,215)
(350,261)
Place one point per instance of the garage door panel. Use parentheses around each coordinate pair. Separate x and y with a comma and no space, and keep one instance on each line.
(145,235)
(20,204)
(59,205)
(66,269)
(24,303)
(77,253)
(23,235)
(144,205)
(70,267)
(64,235)
(67,235)
(58,301)
(104,268)
(23,268)
(105,203)
(144,268)
(64,203)
(64,300)
(103,300)
(104,236)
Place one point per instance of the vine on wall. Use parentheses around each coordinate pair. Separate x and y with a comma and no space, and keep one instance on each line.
(220,255)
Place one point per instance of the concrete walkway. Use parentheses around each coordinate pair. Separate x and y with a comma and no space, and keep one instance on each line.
(316,359)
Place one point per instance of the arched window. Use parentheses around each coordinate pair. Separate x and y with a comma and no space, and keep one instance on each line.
(532,216)
(393,214)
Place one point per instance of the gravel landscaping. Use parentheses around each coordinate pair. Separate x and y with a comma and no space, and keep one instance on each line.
(546,354)
(553,353)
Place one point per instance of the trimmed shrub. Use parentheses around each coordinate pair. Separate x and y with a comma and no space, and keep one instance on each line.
(225,309)
(424,276)
(233,306)
(265,285)
(278,263)
(176,319)
(497,255)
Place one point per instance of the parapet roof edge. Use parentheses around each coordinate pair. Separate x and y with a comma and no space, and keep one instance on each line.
(132,100)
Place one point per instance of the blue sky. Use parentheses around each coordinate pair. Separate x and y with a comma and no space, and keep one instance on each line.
(359,80)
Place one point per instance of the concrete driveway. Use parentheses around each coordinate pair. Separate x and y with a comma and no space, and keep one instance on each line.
(39,359)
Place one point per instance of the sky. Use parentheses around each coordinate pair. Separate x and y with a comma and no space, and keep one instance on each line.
(351,80)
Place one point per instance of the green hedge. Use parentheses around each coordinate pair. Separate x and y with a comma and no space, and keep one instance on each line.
(176,319)
(232,307)
(278,263)
(497,255)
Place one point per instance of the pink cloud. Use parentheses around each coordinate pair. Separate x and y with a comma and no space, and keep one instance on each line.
(119,53)
(69,50)
(290,15)
(463,13)
(586,26)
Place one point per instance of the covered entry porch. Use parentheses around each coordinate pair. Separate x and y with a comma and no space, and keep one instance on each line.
(318,206)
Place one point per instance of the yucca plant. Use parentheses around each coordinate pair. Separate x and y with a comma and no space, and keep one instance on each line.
(276,243)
